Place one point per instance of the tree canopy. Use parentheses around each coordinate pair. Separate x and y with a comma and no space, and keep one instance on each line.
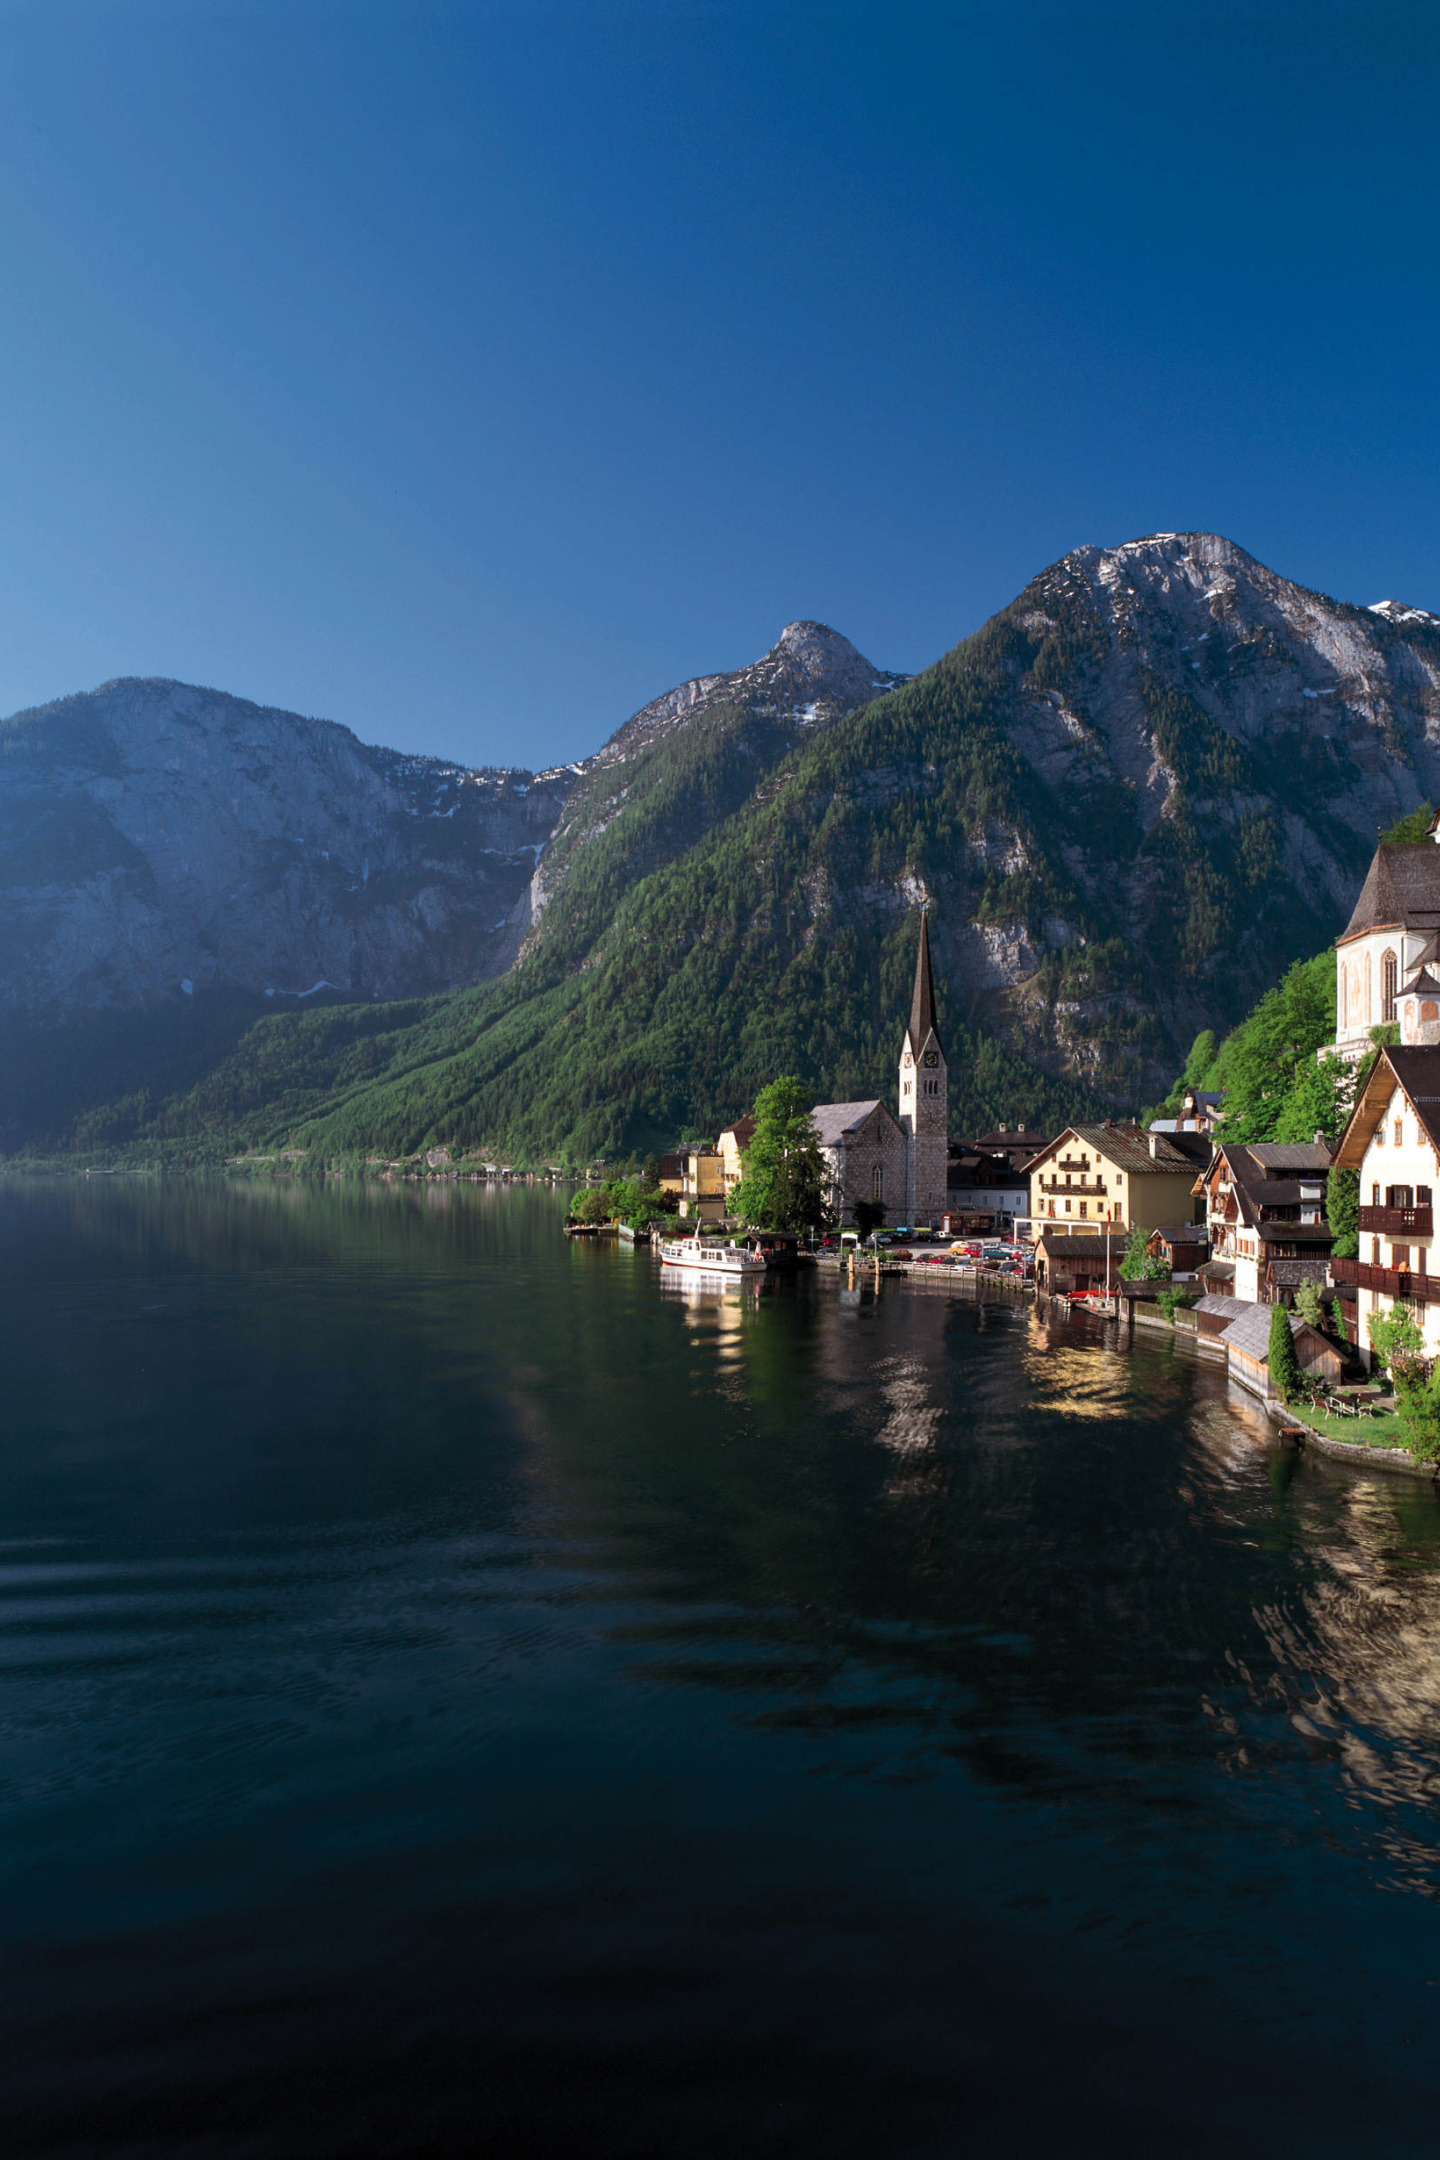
(785,1185)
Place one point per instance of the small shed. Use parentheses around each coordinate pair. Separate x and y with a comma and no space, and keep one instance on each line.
(1248,1342)
(1214,1314)
(1066,1260)
(1183,1247)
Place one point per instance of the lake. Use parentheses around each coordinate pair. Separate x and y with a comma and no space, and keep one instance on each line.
(460,1691)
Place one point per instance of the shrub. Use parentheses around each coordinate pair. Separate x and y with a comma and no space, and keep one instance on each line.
(1284,1365)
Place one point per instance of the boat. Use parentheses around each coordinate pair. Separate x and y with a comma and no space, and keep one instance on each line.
(693,1254)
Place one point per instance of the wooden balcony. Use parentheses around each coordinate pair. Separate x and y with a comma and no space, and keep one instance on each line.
(1393,1282)
(1399,1221)
(1079,1191)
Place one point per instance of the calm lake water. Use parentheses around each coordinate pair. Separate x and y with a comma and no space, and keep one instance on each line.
(460,1692)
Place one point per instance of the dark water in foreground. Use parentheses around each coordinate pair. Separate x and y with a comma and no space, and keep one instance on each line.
(456,1694)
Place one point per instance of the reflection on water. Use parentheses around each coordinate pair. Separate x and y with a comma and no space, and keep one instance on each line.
(442,1663)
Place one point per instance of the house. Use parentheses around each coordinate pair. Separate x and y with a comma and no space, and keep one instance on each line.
(1018,1144)
(898,1162)
(1392,1140)
(1112,1174)
(668,1174)
(1387,961)
(1184,1248)
(1264,1206)
(702,1183)
(1198,1113)
(732,1145)
(1247,1345)
(983,1191)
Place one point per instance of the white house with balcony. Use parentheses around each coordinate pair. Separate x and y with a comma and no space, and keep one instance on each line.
(1393,1141)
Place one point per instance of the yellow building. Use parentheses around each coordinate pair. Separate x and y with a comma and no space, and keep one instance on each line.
(1115,1176)
(733,1143)
(702,1183)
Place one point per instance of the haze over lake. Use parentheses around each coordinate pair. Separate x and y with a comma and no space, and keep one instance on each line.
(456,1686)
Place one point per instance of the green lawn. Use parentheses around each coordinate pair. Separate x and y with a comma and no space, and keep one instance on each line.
(1382,1431)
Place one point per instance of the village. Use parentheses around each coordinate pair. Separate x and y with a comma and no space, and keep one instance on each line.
(1170,1222)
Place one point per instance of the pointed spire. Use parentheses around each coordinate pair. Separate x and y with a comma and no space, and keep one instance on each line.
(922,1005)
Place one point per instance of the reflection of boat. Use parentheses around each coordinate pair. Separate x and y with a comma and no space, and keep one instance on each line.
(698,1258)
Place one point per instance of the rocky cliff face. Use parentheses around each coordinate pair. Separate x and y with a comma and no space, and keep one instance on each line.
(157,840)
(686,762)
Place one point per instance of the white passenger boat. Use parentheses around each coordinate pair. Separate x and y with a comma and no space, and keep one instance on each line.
(696,1257)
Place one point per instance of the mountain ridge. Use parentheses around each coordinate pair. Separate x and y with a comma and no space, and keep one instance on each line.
(1135,795)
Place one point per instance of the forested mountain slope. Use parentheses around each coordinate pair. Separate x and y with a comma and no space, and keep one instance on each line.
(1135,796)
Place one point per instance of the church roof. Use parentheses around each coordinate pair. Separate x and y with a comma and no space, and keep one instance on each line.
(922,1004)
(1403,888)
(833,1120)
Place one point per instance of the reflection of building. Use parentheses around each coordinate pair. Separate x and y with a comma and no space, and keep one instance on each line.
(899,1163)
(1393,1142)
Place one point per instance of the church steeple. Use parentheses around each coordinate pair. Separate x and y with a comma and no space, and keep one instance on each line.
(922,1005)
(924,1091)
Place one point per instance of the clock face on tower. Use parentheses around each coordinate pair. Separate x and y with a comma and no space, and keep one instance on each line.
(932,1057)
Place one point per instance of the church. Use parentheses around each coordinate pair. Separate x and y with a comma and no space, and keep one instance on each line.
(898,1162)
(1387,961)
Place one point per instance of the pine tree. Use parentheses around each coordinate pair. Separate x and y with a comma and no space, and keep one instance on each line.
(1284,1365)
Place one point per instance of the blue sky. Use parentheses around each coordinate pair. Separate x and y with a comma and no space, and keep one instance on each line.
(471,374)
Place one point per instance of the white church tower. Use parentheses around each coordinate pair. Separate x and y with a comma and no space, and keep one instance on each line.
(924,1083)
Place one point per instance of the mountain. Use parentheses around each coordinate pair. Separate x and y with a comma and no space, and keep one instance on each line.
(157,840)
(1135,796)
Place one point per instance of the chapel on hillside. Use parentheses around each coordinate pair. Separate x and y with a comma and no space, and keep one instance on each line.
(1387,961)
(900,1163)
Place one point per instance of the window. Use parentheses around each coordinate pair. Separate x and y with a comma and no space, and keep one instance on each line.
(1399,1132)
(1067,1207)
(1067,1177)
(1084,1207)
(1374,1196)
(1343,992)
(1387,987)
(1367,989)
(1375,1252)
(1399,1196)
(1400,1256)
(877,1182)
(1380,1133)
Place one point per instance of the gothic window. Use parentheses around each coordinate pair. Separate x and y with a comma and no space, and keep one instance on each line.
(1344,988)
(1388,973)
(1367,989)
(877,1182)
